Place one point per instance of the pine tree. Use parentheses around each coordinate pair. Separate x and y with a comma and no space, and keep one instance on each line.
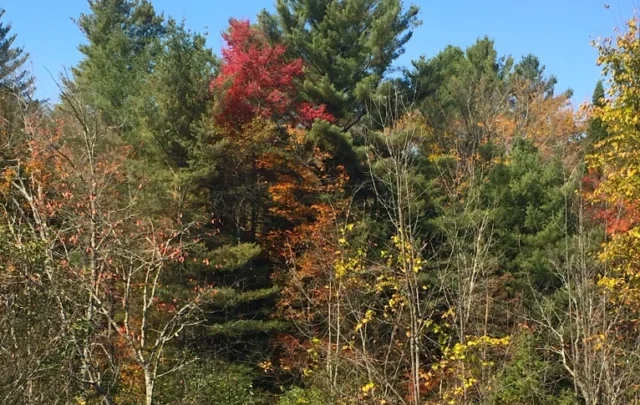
(123,39)
(176,96)
(467,87)
(347,45)
(16,86)
(530,69)
(12,59)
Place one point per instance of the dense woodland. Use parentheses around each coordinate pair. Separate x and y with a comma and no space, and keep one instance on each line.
(295,221)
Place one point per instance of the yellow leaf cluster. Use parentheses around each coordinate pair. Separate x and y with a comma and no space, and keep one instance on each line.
(617,160)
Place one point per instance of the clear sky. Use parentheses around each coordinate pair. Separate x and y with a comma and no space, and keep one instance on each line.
(559,32)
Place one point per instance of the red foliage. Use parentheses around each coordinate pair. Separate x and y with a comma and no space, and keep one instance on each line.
(307,114)
(257,80)
(257,86)
(619,218)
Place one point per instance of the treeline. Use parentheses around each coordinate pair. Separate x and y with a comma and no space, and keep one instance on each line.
(294,221)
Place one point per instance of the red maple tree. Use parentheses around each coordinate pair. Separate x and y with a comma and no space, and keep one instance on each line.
(257,80)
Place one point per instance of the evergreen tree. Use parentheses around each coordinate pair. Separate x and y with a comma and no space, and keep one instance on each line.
(16,85)
(147,76)
(123,39)
(598,94)
(465,88)
(12,59)
(531,195)
(596,132)
(347,45)
(530,69)
(176,97)
(238,323)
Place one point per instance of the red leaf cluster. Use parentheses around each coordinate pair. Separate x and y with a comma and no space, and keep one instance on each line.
(257,80)
(618,218)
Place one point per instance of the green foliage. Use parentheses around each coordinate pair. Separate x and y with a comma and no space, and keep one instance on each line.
(300,396)
(148,76)
(347,45)
(123,39)
(530,69)
(207,382)
(596,131)
(16,83)
(231,257)
(462,86)
(176,97)
(529,378)
(230,297)
(13,76)
(533,197)
(247,327)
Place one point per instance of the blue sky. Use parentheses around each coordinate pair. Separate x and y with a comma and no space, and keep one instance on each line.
(559,32)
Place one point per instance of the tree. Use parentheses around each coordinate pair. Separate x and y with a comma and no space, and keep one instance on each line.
(531,198)
(265,182)
(257,81)
(122,42)
(13,77)
(461,93)
(16,83)
(107,267)
(584,326)
(615,195)
(34,321)
(596,131)
(530,376)
(400,191)
(493,219)
(347,46)
(176,98)
(530,69)
(481,102)
(149,78)
(616,158)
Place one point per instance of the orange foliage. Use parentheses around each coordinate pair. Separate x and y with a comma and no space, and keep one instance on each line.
(547,121)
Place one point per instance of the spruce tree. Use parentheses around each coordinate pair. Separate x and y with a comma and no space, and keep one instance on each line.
(532,196)
(596,131)
(16,85)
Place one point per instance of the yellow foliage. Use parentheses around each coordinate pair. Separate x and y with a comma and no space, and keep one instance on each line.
(367,387)
(617,159)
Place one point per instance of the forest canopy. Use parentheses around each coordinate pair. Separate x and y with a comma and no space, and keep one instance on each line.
(296,220)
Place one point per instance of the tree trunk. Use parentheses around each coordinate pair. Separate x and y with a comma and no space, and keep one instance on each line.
(149,385)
